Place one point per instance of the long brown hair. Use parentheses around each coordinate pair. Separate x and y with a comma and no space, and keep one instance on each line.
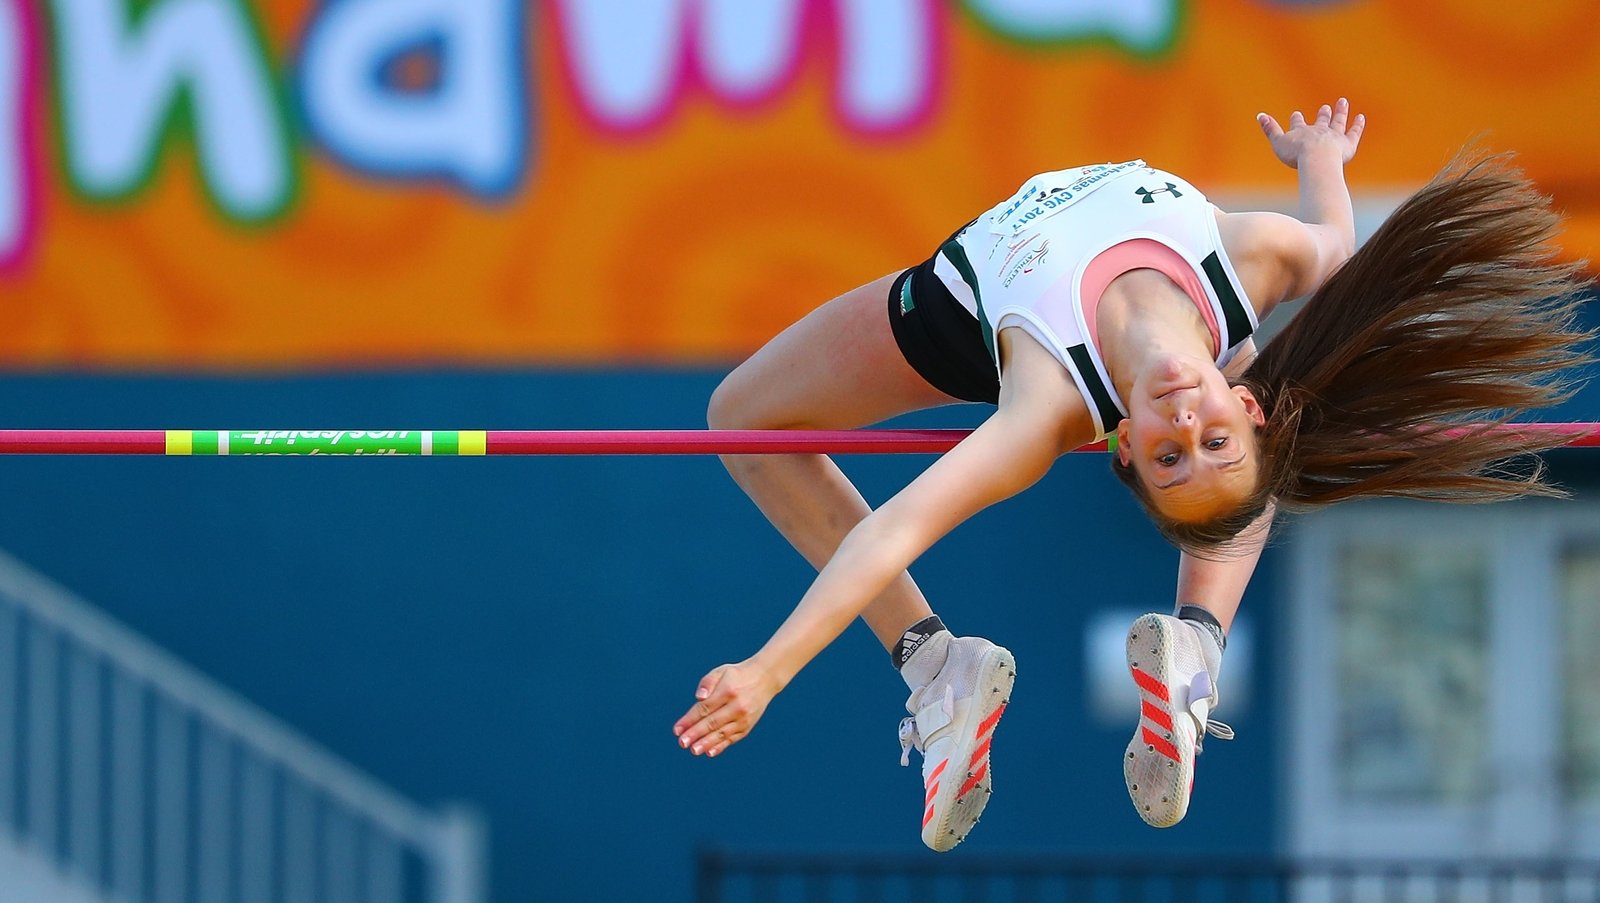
(1453,319)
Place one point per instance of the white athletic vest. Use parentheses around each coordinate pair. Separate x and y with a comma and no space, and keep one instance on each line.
(1023,263)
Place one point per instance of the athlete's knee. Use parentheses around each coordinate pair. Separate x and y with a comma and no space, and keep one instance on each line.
(745,401)
(730,408)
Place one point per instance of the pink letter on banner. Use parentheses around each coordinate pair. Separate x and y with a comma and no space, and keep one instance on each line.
(19,126)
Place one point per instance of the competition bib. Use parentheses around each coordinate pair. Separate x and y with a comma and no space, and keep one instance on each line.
(1047,194)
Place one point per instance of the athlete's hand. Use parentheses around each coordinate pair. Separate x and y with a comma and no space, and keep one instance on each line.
(1334,130)
(732,699)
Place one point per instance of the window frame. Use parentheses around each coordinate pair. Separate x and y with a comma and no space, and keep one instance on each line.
(1521,812)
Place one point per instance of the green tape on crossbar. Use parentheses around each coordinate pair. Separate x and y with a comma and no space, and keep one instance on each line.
(321,442)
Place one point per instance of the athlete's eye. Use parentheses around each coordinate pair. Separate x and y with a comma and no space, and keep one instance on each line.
(1167,460)
(1217,443)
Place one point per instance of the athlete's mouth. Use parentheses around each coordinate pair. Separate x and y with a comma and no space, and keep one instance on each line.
(1163,395)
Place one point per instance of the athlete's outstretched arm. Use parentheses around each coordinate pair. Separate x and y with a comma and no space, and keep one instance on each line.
(1004,456)
(1217,584)
(1318,151)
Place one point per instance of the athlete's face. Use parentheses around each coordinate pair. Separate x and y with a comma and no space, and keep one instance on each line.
(1191,438)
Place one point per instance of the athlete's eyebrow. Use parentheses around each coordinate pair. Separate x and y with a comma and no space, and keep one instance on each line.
(1178,482)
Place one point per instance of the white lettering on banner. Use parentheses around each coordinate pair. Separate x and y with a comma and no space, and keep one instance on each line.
(471,126)
(120,80)
(745,46)
(126,70)
(889,59)
(15,184)
(1145,26)
(746,50)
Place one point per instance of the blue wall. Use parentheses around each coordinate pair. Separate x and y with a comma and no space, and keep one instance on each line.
(521,633)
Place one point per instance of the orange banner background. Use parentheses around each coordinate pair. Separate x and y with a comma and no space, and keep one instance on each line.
(695,238)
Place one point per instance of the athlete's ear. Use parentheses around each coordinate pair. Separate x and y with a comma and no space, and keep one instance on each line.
(1252,408)
(1123,455)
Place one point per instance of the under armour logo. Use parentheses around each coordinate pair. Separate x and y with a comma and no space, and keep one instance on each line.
(1149,197)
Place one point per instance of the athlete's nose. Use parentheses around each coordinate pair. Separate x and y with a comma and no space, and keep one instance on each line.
(1185,425)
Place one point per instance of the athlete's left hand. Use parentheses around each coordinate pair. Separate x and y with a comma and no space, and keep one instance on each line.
(732,698)
(1334,130)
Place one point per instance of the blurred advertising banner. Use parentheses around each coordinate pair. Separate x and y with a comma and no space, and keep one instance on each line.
(283,184)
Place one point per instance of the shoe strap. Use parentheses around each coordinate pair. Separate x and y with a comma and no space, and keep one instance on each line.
(1202,696)
(928,720)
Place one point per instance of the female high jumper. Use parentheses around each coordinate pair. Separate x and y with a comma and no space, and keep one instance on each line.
(1114,300)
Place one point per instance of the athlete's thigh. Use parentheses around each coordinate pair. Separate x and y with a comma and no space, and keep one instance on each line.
(837,368)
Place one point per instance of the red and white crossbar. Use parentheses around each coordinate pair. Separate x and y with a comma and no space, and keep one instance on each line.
(455,443)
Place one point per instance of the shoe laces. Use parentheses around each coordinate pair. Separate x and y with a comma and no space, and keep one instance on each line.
(909,740)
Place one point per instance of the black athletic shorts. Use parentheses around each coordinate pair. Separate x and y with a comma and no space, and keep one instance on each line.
(941,339)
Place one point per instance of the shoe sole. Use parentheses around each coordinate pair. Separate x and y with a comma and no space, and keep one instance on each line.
(956,804)
(1159,765)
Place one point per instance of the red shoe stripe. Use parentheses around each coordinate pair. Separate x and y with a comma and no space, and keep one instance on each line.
(927,816)
(973,781)
(933,789)
(1157,717)
(980,752)
(989,722)
(1150,685)
(937,770)
(1162,745)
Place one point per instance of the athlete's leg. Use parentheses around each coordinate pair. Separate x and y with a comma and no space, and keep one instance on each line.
(841,368)
(1175,661)
(837,368)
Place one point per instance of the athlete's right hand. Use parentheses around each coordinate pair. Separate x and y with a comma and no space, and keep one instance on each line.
(732,699)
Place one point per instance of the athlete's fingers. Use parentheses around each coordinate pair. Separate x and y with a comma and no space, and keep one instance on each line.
(1341,114)
(709,682)
(695,713)
(1269,126)
(712,739)
(1357,127)
(731,701)
(700,709)
(1324,114)
(694,737)
(727,740)
(719,740)
(710,731)
(1297,120)
(730,716)
(695,722)
(721,709)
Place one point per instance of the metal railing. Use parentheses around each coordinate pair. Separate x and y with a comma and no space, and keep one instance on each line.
(145,782)
(750,877)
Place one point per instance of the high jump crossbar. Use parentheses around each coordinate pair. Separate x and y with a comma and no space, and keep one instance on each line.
(472,443)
